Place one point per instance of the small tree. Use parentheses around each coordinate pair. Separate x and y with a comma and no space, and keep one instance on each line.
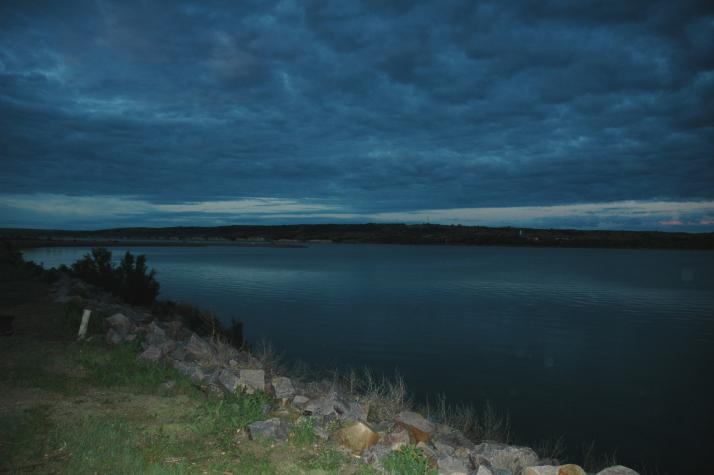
(138,285)
(131,280)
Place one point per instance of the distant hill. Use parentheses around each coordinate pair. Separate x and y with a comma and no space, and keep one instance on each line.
(373,233)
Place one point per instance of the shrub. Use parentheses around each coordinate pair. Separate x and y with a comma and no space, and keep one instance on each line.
(131,281)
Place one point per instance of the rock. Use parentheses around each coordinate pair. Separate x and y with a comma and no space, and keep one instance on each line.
(300,401)
(503,456)
(192,370)
(419,428)
(270,429)
(397,439)
(617,470)
(357,437)
(229,380)
(175,330)
(571,469)
(442,448)
(121,323)
(283,387)
(451,466)
(197,349)
(541,470)
(483,470)
(113,337)
(454,438)
(430,453)
(333,404)
(252,380)
(152,353)
(375,456)
(155,335)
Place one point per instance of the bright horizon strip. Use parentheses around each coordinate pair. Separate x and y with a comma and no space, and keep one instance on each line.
(669,214)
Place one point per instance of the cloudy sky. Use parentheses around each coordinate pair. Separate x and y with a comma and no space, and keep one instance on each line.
(536,113)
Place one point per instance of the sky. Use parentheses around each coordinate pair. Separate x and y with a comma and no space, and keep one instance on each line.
(591,115)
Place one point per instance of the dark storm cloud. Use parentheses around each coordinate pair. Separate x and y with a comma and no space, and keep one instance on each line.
(367,106)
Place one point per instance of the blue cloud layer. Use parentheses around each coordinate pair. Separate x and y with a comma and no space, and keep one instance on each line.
(368,107)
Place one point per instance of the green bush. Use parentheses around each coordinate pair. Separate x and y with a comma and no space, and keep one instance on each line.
(131,280)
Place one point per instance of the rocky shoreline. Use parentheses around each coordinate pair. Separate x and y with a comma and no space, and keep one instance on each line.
(337,415)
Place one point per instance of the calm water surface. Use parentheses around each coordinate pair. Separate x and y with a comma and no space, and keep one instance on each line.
(612,346)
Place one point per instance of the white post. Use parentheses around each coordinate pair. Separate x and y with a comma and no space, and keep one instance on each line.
(83,326)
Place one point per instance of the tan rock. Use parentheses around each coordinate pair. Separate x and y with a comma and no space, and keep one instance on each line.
(541,470)
(357,437)
(571,469)
(419,428)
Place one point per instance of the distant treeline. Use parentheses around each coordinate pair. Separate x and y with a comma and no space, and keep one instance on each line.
(385,234)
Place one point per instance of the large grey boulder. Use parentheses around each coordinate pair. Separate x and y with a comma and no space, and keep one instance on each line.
(283,387)
(617,470)
(252,380)
(121,329)
(334,404)
(271,429)
(152,353)
(121,322)
(502,456)
(199,350)
(229,380)
(420,429)
(192,370)
(300,401)
(155,335)
(451,466)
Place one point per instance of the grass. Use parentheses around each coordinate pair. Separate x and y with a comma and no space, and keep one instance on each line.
(486,424)
(111,416)
(22,441)
(409,460)
(328,460)
(118,366)
(303,432)
(73,317)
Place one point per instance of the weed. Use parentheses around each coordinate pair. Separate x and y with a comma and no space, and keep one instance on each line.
(304,431)
(553,448)
(489,424)
(220,420)
(409,460)
(328,460)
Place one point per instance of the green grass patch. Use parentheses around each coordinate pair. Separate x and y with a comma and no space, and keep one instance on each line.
(328,459)
(22,440)
(119,367)
(408,460)
(72,318)
(303,432)
(220,420)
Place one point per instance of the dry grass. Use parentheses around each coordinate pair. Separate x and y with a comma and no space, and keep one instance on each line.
(553,448)
(487,424)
